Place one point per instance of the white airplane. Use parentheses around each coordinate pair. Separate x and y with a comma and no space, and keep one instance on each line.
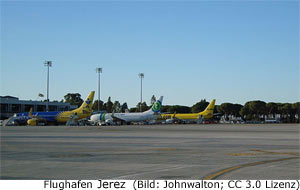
(110,118)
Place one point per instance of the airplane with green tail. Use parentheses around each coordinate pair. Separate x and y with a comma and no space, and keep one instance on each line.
(111,118)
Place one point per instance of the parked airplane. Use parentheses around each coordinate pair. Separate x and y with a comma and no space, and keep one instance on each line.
(187,117)
(57,117)
(110,118)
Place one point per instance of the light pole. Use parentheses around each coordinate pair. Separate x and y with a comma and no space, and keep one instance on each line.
(47,64)
(141,75)
(99,70)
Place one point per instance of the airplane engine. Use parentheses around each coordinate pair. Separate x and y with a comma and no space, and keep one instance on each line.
(32,122)
(109,122)
(169,121)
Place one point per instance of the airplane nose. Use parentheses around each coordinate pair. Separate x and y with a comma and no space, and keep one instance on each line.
(95,117)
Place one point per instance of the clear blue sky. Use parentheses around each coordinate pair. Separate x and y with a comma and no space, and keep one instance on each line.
(229,50)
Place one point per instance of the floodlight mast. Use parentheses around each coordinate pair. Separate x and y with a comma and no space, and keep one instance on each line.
(141,75)
(47,64)
(99,70)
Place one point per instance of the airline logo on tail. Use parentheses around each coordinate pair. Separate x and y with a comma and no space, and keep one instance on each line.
(87,104)
(210,108)
(157,105)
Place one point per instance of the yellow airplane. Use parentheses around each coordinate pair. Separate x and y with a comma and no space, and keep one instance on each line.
(206,114)
(59,117)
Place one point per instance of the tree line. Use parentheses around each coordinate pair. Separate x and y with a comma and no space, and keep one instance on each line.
(252,110)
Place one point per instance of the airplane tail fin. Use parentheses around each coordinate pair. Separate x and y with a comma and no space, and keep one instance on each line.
(156,108)
(30,112)
(210,108)
(88,102)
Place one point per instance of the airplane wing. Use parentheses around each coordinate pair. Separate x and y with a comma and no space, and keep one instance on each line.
(86,111)
(217,114)
(43,118)
(171,116)
(36,116)
(175,119)
(117,118)
(166,113)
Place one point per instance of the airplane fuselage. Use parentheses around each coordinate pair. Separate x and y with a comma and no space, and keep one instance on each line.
(56,116)
(126,117)
(187,116)
(135,117)
(84,111)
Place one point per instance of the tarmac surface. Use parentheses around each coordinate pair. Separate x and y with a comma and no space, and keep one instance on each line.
(220,151)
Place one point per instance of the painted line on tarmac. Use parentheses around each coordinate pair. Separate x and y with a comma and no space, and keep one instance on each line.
(242,154)
(227,170)
(260,152)
(154,171)
(272,152)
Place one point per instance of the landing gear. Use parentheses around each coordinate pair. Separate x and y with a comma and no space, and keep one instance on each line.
(72,120)
(200,120)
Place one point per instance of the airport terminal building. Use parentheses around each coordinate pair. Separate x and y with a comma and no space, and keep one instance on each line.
(10,105)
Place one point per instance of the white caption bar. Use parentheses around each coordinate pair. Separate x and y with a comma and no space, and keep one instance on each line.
(148,184)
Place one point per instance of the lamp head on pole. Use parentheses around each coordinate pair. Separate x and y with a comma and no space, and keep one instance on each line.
(99,70)
(141,75)
(48,63)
